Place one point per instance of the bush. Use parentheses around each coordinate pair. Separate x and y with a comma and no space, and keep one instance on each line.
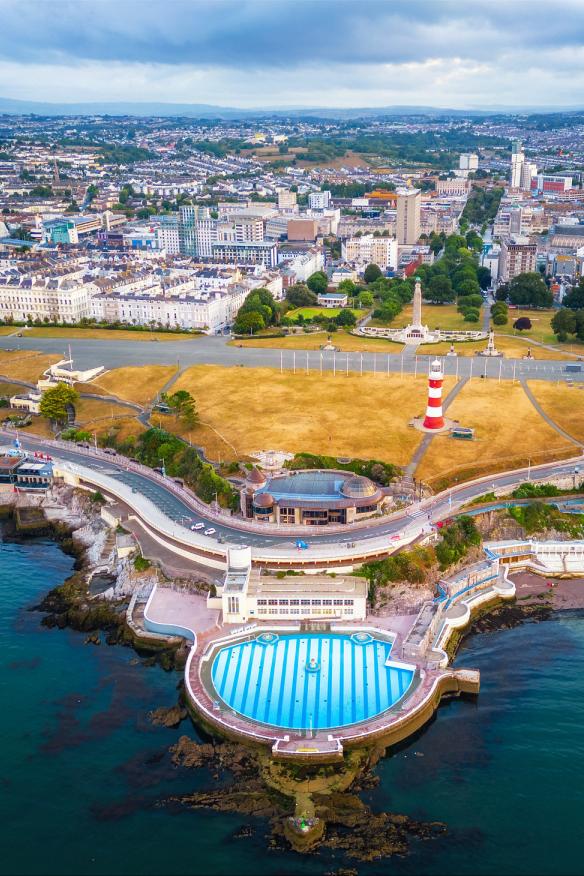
(471,315)
(456,541)
(522,324)
(500,319)
(141,564)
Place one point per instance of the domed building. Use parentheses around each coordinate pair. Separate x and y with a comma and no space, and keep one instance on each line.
(310,498)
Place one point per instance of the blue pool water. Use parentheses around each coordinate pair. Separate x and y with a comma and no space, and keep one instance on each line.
(314,680)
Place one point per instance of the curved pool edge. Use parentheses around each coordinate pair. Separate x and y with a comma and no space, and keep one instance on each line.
(389,728)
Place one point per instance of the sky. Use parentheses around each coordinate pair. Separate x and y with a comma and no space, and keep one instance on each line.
(284,53)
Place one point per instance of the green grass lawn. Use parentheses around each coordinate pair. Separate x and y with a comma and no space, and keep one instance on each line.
(540,330)
(443,316)
(310,312)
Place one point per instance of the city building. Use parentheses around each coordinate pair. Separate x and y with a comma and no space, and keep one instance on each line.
(522,171)
(468,161)
(247,594)
(49,299)
(251,253)
(310,498)
(319,200)
(544,183)
(408,216)
(518,256)
(302,230)
(366,250)
(332,299)
(287,200)
(458,187)
(517,161)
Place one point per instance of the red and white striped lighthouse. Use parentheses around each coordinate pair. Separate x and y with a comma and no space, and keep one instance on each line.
(434,418)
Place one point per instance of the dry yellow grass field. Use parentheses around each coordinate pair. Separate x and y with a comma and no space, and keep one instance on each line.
(8,389)
(255,409)
(315,340)
(509,431)
(8,329)
(105,334)
(123,427)
(25,364)
(564,404)
(135,383)
(90,409)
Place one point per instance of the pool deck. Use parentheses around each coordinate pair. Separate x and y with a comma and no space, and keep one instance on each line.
(391,726)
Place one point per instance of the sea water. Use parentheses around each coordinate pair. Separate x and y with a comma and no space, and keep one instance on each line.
(82,768)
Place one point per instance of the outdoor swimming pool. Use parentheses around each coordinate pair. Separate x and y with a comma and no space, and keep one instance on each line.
(309,680)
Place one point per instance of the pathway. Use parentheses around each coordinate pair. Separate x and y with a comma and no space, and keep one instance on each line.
(546,417)
(426,440)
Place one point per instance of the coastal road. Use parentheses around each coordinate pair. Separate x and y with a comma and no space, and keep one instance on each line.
(90,353)
(408,524)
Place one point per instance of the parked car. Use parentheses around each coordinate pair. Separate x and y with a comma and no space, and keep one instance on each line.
(210,531)
(197,526)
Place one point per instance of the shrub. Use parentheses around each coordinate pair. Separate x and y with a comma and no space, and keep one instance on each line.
(141,564)
(522,324)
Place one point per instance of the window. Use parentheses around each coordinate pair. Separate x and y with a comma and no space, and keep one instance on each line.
(327,602)
(305,602)
(294,602)
(272,601)
(233,605)
(317,602)
(348,602)
(337,601)
(283,602)
(262,602)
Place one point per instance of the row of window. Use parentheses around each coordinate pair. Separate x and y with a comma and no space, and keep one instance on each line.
(305,602)
(286,612)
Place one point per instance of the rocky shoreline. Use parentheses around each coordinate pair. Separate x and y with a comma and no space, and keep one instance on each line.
(72,519)
(307,807)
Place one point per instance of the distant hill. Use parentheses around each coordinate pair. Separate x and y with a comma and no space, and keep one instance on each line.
(9,106)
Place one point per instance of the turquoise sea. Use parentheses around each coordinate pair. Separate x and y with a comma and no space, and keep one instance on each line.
(81,768)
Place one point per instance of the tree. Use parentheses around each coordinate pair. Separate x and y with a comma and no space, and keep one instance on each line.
(248,323)
(299,295)
(183,405)
(502,292)
(484,277)
(529,289)
(439,290)
(346,317)
(347,287)
(366,299)
(564,323)
(575,299)
(372,273)
(55,402)
(468,287)
(317,282)
(474,241)
(469,301)
(522,324)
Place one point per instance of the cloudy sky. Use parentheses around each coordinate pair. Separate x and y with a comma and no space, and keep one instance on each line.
(262,53)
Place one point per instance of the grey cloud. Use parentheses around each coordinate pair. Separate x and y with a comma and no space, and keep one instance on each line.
(261,34)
